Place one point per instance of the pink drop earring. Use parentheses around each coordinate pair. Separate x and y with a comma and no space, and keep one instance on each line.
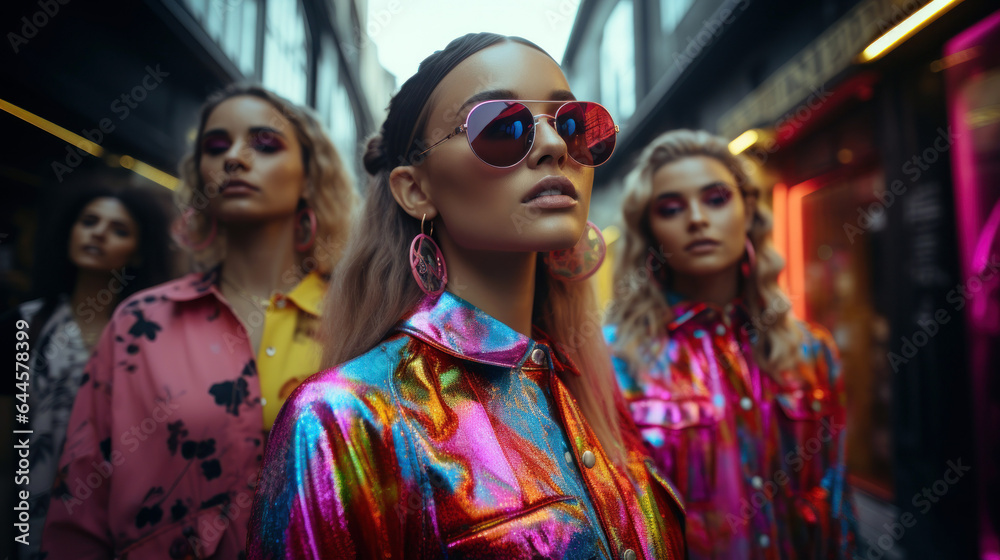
(580,261)
(180,227)
(427,262)
(305,222)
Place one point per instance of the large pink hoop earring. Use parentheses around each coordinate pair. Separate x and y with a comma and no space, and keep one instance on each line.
(750,263)
(302,216)
(180,227)
(427,262)
(580,261)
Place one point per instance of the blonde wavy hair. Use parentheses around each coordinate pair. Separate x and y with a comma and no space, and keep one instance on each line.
(329,190)
(639,307)
(373,287)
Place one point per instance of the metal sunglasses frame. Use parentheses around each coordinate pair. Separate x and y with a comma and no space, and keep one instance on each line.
(464,127)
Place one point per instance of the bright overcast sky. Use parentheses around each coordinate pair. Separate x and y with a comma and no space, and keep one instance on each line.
(407,31)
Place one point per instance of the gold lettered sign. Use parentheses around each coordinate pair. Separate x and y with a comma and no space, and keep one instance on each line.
(806,76)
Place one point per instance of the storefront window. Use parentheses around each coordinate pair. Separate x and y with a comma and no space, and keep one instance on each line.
(286,49)
(334,104)
(831,230)
(671,13)
(618,62)
(232,24)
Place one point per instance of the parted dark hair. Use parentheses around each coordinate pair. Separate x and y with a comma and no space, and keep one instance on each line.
(374,288)
(405,124)
(55,274)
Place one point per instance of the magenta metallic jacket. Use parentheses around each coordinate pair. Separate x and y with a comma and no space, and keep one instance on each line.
(760,463)
(454,438)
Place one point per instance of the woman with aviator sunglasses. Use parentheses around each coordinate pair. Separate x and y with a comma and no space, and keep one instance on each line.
(468,411)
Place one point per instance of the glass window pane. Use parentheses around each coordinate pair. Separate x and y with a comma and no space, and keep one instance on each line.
(672,12)
(248,38)
(230,40)
(618,62)
(213,22)
(197,8)
(232,24)
(286,50)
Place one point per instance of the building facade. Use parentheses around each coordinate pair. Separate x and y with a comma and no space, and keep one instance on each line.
(96,85)
(882,175)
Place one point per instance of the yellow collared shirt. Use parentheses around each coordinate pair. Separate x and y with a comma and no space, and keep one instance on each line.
(289,352)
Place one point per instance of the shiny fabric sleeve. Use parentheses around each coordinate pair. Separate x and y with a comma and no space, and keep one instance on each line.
(77,524)
(327,488)
(838,525)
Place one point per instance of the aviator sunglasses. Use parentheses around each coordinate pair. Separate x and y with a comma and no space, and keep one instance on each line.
(501,132)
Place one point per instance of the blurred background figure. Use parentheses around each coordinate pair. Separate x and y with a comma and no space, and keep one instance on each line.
(123,88)
(101,246)
(185,383)
(874,128)
(747,417)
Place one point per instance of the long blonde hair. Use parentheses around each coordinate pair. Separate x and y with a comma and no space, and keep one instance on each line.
(639,308)
(329,191)
(373,287)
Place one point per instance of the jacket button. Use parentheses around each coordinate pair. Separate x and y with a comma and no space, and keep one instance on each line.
(628,555)
(764,541)
(538,356)
(270,351)
(281,303)
(746,403)
(569,458)
(589,459)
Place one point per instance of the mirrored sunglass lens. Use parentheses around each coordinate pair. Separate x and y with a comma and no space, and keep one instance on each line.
(589,132)
(500,132)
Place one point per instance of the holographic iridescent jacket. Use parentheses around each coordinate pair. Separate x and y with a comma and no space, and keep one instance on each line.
(454,437)
(760,464)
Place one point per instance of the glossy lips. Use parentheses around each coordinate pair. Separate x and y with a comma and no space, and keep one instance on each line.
(552,192)
(701,246)
(237,187)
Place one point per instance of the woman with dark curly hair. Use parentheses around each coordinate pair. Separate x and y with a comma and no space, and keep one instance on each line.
(102,245)
(167,436)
